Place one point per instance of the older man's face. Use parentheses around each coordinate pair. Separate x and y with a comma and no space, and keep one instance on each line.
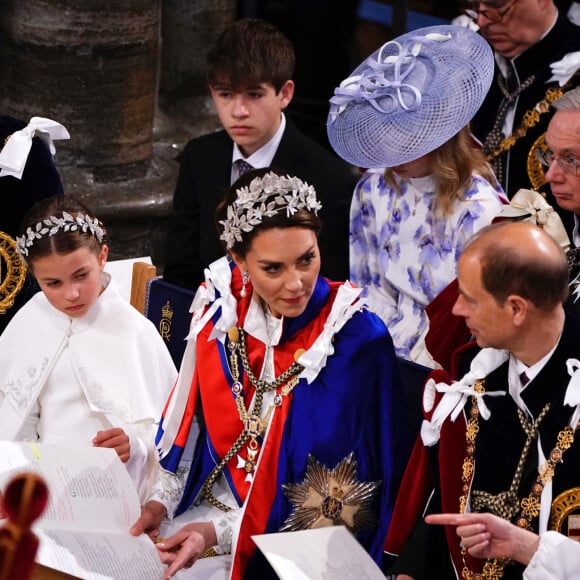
(563,174)
(511,27)
(489,323)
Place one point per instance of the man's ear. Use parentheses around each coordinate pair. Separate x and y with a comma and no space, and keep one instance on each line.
(286,93)
(518,307)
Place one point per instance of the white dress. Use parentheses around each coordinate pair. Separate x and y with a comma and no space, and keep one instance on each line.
(403,255)
(63,379)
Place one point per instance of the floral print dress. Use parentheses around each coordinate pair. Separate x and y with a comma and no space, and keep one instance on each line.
(403,254)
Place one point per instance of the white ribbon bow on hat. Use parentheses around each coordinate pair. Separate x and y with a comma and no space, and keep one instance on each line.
(381,83)
(15,152)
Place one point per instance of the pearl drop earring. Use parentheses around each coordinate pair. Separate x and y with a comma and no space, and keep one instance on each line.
(245,280)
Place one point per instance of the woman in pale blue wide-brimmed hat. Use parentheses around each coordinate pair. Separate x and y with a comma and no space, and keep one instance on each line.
(403,116)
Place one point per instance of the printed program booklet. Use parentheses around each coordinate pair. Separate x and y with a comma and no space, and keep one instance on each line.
(84,530)
(330,553)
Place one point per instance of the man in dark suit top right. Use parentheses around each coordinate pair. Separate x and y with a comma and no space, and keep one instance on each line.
(537,59)
(249,74)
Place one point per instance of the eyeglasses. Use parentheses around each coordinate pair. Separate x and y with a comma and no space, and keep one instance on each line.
(569,164)
(494,15)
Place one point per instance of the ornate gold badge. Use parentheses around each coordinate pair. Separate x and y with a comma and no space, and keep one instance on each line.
(565,516)
(329,497)
(536,171)
(12,272)
(165,322)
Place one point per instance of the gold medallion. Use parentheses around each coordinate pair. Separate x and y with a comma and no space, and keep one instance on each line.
(536,171)
(12,272)
(565,516)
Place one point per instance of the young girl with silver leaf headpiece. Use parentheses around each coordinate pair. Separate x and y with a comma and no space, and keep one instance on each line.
(78,364)
(287,391)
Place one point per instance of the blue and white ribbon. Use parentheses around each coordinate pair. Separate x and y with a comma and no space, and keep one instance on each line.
(384,79)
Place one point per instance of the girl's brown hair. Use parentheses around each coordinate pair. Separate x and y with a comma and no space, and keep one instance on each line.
(452,166)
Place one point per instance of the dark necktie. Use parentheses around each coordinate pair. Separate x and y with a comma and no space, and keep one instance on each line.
(242,166)
(524,378)
(510,88)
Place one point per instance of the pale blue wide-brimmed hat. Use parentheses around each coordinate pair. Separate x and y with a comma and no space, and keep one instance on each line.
(410,96)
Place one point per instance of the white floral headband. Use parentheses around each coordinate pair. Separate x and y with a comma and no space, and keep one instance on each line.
(265,197)
(52,225)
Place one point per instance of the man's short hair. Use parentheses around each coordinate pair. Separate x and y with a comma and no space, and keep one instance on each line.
(506,270)
(569,101)
(249,52)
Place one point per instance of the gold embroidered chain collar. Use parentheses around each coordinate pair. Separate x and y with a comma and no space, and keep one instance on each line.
(530,119)
(493,569)
(253,425)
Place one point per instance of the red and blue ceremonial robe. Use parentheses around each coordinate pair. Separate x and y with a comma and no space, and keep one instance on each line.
(345,411)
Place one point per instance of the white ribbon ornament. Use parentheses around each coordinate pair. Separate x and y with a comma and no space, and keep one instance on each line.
(345,305)
(456,395)
(563,70)
(572,397)
(15,152)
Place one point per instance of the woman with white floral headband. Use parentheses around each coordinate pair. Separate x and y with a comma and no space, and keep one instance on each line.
(78,364)
(283,416)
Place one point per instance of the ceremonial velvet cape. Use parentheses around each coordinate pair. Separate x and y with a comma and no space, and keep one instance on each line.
(351,406)
(498,448)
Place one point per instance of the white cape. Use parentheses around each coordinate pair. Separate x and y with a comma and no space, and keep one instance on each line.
(119,358)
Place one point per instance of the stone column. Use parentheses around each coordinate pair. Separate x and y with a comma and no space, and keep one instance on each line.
(94,66)
(188,30)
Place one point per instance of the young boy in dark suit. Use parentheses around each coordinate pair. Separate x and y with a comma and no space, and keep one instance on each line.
(250,78)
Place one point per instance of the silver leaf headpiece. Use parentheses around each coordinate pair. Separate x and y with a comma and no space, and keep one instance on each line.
(52,224)
(265,197)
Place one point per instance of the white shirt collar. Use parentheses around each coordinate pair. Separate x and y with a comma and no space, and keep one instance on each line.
(516,367)
(262,325)
(262,157)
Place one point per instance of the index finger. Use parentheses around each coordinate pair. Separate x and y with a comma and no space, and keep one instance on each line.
(182,558)
(449,519)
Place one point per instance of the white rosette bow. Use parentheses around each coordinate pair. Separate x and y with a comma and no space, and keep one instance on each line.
(15,152)
(572,397)
(456,395)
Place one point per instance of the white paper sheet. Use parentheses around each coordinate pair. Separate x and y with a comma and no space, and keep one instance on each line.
(84,530)
(330,553)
